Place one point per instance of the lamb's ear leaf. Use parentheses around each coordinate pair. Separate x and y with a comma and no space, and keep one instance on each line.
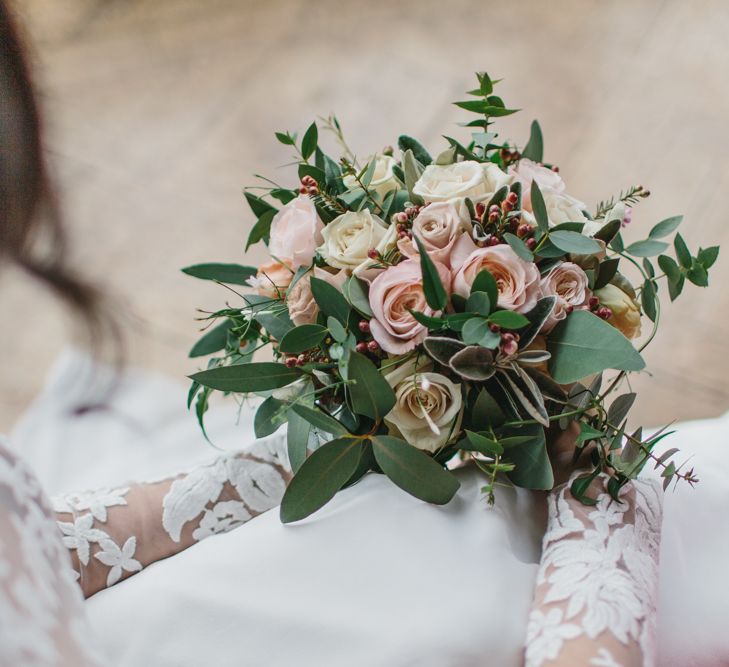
(473,363)
(442,348)
(320,477)
(414,471)
(527,393)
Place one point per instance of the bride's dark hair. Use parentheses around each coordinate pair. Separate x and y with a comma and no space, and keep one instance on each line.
(31,233)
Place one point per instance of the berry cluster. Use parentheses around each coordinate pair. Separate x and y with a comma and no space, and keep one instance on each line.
(309,186)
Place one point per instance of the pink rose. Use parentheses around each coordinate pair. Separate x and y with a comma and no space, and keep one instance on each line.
(568,283)
(516,279)
(438,226)
(393,294)
(303,309)
(272,279)
(527,171)
(296,232)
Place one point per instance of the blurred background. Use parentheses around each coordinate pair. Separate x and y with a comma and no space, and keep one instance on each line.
(159,111)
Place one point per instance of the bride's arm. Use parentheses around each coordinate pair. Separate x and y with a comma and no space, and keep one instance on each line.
(114,532)
(595,597)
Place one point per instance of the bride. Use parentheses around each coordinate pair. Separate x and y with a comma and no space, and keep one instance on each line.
(375,579)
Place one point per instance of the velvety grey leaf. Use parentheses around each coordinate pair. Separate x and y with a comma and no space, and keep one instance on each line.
(473,363)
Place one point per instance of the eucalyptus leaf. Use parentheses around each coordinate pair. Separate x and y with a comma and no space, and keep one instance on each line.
(486,411)
(214,340)
(508,319)
(477,331)
(309,141)
(532,467)
(534,149)
(232,274)
(258,205)
(356,292)
(519,247)
(330,300)
(319,478)
(435,294)
(583,344)
(319,419)
(408,143)
(414,471)
(270,416)
(477,442)
(251,377)
(647,248)
(261,231)
(479,302)
(413,171)
(666,227)
(574,242)
(682,252)
(485,282)
(302,338)
(539,208)
(370,393)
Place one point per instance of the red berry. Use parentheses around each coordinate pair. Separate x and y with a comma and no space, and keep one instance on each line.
(494,217)
(604,312)
(361,347)
(372,253)
(401,217)
(364,326)
(303,190)
(531,243)
(523,230)
(372,346)
(494,208)
(507,206)
(495,328)
(301,360)
(555,168)
(513,197)
(493,241)
(594,302)
(480,208)
(290,362)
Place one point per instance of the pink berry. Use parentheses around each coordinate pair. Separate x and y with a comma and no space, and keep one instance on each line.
(364,326)
(361,347)
(372,253)
(531,243)
(373,346)
(513,197)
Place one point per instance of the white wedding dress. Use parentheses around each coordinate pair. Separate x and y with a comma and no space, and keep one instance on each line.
(376,577)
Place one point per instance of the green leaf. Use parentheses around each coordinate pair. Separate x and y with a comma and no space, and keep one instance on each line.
(682,252)
(371,394)
(474,106)
(574,242)
(477,331)
(408,143)
(647,248)
(213,341)
(532,467)
(670,268)
(648,300)
(620,408)
(479,302)
(339,333)
(666,227)
(232,274)
(485,282)
(698,275)
(477,442)
(298,432)
(435,294)
(319,478)
(581,484)
(508,319)
(413,170)
(583,344)
(537,316)
(707,256)
(442,348)
(475,362)
(486,411)
(285,138)
(243,378)
(261,231)
(320,420)
(270,416)
(356,292)
(309,142)
(302,338)
(414,471)
(330,300)
(539,208)
(258,205)
(675,289)
(588,433)
(534,150)
(519,247)
(368,173)
(606,272)
(276,322)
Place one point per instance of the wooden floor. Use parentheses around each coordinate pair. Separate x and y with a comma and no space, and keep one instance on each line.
(160,110)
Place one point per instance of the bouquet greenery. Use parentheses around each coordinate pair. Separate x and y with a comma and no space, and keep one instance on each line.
(424,311)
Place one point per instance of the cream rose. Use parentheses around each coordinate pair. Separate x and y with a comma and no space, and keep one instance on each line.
(348,238)
(516,279)
(371,268)
(428,406)
(528,171)
(303,309)
(438,226)
(625,311)
(383,178)
(393,294)
(296,231)
(272,279)
(471,179)
(568,282)
(563,208)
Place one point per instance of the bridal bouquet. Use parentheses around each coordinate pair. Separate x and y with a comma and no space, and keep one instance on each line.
(422,311)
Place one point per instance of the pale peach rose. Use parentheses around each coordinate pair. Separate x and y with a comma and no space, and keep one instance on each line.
(296,232)
(272,279)
(428,406)
(303,309)
(393,294)
(528,171)
(568,282)
(438,226)
(516,279)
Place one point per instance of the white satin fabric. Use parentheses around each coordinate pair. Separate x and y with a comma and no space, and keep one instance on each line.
(376,578)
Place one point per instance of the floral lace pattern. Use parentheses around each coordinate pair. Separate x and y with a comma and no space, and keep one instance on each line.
(113,533)
(42,619)
(597,580)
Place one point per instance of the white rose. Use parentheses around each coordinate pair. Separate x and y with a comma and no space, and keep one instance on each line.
(563,208)
(383,180)
(348,238)
(428,406)
(617,212)
(470,179)
(371,268)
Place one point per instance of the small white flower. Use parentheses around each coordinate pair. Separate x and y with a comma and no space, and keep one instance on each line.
(118,559)
(79,534)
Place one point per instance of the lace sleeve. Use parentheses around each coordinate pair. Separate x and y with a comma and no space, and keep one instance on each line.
(594,602)
(114,532)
